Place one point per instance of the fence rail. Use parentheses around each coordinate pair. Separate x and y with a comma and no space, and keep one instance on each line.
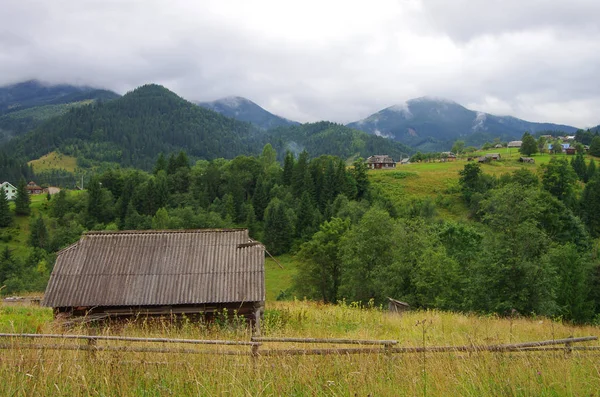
(386,346)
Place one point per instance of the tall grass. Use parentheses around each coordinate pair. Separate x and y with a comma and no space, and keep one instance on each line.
(59,372)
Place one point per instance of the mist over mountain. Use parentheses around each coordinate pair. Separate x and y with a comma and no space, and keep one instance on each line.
(26,105)
(34,93)
(134,129)
(432,124)
(245,110)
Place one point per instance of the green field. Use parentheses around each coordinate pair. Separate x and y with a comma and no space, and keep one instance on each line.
(16,235)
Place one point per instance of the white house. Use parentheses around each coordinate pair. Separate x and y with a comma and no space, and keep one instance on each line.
(10,190)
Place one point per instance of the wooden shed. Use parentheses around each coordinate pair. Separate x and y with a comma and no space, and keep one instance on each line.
(130,273)
(396,306)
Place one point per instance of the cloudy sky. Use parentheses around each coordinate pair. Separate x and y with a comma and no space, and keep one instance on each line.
(323,59)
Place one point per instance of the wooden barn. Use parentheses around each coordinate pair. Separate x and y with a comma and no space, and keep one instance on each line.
(130,273)
(396,306)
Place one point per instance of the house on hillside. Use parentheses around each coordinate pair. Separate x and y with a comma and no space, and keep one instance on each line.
(564,147)
(447,156)
(514,144)
(159,272)
(33,188)
(380,161)
(493,156)
(10,190)
(570,150)
(526,160)
(498,146)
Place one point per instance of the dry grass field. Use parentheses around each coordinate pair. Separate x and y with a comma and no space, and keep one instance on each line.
(49,372)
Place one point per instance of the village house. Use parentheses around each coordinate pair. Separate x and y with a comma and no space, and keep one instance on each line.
(159,272)
(9,190)
(33,188)
(514,144)
(380,161)
(447,156)
(526,160)
(493,156)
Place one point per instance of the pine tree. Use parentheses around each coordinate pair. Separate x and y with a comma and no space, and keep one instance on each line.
(361,178)
(590,206)
(595,147)
(591,171)
(5,216)
(261,198)
(8,266)
(94,205)
(250,220)
(288,168)
(279,227)
(304,222)
(299,176)
(22,199)
(38,237)
(578,164)
(161,164)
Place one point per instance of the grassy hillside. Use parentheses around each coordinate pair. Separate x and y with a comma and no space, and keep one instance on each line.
(50,372)
(54,161)
(438,181)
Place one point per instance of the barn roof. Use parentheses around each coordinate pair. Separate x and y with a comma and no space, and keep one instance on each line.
(168,267)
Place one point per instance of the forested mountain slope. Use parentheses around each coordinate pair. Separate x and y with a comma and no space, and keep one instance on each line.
(433,124)
(26,105)
(245,110)
(135,128)
(34,93)
(329,138)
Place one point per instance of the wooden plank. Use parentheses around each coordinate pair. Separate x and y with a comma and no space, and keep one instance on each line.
(126,349)
(132,339)
(332,341)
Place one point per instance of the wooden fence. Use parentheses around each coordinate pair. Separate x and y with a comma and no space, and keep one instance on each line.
(24,341)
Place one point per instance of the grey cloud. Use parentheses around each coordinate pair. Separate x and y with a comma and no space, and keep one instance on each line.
(465,19)
(313,62)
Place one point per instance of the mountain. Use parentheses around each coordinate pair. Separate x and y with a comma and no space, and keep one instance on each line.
(245,110)
(26,105)
(329,138)
(433,124)
(34,93)
(134,129)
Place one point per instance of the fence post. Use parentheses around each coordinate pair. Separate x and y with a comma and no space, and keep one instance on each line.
(569,347)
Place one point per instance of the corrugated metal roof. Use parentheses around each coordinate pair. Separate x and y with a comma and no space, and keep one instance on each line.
(380,158)
(167,267)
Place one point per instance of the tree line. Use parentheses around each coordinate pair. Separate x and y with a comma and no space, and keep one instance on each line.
(528,248)
(528,245)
